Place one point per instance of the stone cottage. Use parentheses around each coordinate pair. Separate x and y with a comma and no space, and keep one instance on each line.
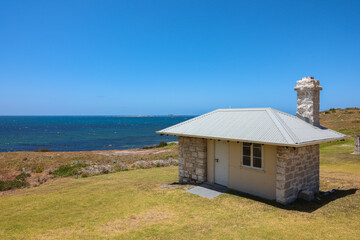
(260,151)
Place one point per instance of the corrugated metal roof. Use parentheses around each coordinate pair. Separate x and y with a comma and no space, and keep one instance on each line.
(261,125)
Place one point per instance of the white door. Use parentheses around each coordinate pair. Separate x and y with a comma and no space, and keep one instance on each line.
(221,162)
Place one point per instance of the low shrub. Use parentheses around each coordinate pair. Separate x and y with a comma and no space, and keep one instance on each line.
(327,112)
(84,175)
(22,176)
(11,184)
(68,170)
(162,144)
(121,167)
(38,170)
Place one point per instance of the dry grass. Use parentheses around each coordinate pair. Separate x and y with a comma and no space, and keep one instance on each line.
(134,205)
(346,121)
(11,163)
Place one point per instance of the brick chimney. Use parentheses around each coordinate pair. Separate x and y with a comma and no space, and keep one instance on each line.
(308,100)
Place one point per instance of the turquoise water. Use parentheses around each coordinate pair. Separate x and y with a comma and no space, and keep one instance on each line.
(82,133)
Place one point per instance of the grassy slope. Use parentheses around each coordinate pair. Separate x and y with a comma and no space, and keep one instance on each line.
(132,205)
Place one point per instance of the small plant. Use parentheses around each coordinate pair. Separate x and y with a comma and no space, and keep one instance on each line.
(84,175)
(162,144)
(158,164)
(11,184)
(68,170)
(38,170)
(327,112)
(22,176)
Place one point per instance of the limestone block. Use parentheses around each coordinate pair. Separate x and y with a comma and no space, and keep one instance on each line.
(306,195)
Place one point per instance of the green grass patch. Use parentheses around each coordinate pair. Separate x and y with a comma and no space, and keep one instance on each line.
(38,170)
(68,170)
(11,184)
(22,176)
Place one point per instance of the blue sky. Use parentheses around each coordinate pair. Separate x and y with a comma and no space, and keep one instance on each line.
(174,57)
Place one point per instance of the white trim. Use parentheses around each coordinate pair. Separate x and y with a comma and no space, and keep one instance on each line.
(252,157)
(252,168)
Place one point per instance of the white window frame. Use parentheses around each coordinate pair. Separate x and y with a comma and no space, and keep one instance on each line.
(251,156)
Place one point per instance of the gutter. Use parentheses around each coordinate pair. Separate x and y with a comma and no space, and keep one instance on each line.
(258,142)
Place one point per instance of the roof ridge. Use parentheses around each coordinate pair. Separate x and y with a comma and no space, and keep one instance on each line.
(242,109)
(315,127)
(280,124)
(190,120)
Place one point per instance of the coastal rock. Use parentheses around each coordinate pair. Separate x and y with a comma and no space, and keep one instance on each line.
(97,169)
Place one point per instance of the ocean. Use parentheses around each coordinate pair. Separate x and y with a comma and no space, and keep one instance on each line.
(82,133)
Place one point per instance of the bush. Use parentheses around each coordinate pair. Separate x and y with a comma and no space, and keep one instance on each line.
(11,184)
(22,176)
(327,112)
(38,170)
(162,144)
(68,170)
(43,150)
(84,175)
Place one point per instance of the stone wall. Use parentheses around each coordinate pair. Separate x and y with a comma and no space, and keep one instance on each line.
(192,160)
(297,169)
(308,100)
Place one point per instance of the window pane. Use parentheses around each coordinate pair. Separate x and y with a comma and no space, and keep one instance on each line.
(257,162)
(257,152)
(245,144)
(246,151)
(257,145)
(246,160)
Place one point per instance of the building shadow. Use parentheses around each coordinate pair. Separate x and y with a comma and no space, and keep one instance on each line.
(301,205)
(321,199)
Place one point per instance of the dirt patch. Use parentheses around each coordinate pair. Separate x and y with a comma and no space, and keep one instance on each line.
(177,186)
(133,152)
(136,221)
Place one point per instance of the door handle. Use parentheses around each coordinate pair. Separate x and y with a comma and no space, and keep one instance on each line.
(216,160)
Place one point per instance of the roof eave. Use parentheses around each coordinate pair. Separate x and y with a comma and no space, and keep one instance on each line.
(260,142)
